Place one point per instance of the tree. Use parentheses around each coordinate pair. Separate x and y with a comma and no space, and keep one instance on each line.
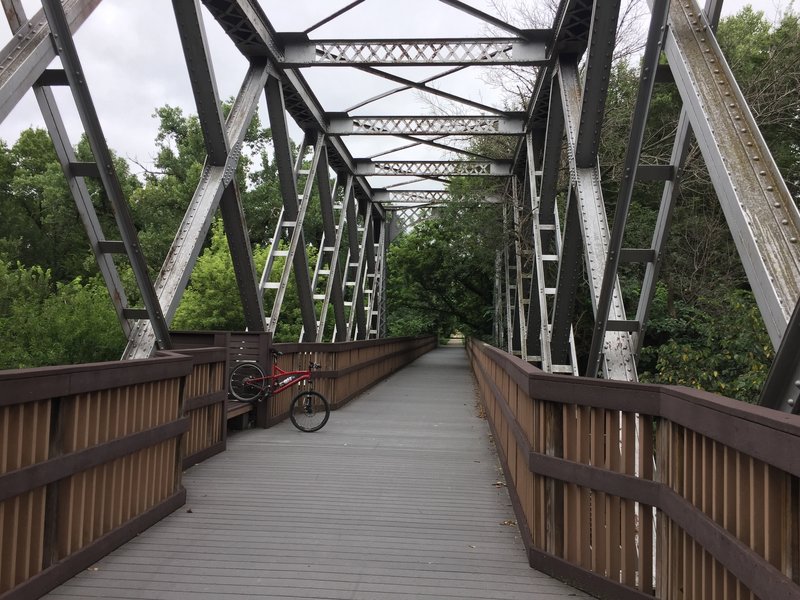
(43,322)
(441,274)
(211,302)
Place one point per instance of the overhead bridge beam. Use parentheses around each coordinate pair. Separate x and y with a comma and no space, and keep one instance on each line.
(299,51)
(342,124)
(434,168)
(411,198)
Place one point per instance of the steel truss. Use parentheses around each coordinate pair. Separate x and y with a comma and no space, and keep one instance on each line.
(299,51)
(550,247)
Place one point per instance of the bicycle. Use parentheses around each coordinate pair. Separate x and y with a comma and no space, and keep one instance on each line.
(309,410)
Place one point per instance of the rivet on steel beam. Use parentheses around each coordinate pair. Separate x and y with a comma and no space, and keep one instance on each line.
(790,401)
(770,188)
(777,205)
(785,221)
(756,158)
(797,383)
(793,240)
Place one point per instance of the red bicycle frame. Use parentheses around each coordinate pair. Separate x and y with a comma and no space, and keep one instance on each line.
(281,380)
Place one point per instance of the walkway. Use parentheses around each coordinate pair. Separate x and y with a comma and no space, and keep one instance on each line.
(395,498)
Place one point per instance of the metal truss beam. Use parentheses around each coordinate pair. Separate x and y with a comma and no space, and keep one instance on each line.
(569,275)
(248,27)
(403,88)
(28,54)
(80,193)
(680,151)
(292,215)
(217,188)
(334,289)
(618,355)
(299,51)
(104,167)
(342,124)
(438,168)
(332,16)
(422,87)
(351,263)
(650,60)
(358,321)
(521,267)
(602,37)
(487,18)
(757,205)
(328,256)
(404,219)
(512,313)
(498,324)
(391,200)
(782,389)
(538,318)
(377,287)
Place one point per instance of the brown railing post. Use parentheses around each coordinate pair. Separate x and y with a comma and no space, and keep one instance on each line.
(554,490)
(725,484)
(265,360)
(50,550)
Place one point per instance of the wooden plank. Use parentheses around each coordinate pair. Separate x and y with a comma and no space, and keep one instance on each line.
(394,498)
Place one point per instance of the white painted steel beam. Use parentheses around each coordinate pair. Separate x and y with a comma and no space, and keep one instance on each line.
(757,205)
(618,358)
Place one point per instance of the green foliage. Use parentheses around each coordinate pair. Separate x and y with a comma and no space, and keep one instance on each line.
(718,344)
(765,58)
(441,274)
(47,323)
(704,331)
(211,301)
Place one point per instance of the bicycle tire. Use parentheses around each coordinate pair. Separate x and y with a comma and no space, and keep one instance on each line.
(240,386)
(309,411)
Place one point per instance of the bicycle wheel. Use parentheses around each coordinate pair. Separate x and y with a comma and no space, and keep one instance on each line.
(309,411)
(247,382)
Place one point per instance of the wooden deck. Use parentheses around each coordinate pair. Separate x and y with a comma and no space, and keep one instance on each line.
(396,498)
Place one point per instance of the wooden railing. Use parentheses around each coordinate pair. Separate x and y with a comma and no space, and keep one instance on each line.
(347,368)
(593,465)
(91,455)
(206,392)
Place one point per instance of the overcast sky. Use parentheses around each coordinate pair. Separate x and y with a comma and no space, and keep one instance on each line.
(133,62)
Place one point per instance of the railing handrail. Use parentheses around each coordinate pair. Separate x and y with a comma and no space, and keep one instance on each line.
(676,403)
(595,454)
